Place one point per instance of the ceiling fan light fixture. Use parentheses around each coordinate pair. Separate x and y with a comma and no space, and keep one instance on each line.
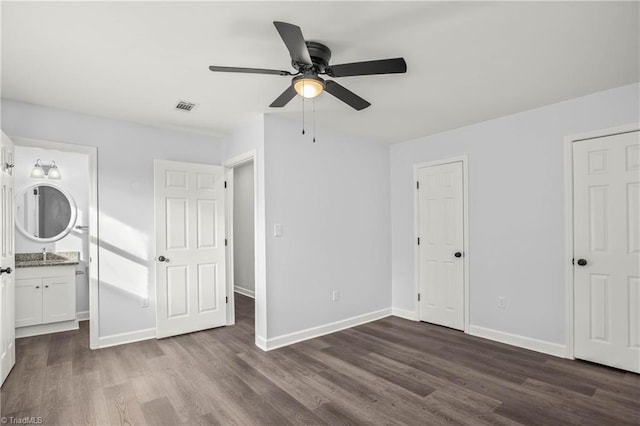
(308,86)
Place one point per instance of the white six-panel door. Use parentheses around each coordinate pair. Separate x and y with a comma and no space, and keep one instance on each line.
(7,260)
(441,247)
(190,247)
(607,250)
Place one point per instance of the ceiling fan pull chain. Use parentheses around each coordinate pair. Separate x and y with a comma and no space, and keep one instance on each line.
(303,116)
(314,120)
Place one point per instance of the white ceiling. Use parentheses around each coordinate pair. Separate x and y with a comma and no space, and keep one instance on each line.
(467,62)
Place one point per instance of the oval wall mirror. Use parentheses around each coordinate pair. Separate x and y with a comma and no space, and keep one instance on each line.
(45,212)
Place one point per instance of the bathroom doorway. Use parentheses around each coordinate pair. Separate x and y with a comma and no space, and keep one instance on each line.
(56,241)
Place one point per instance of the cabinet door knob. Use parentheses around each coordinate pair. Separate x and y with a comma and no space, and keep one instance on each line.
(5,270)
(582,262)
(46,286)
(162,259)
(37,286)
(458,254)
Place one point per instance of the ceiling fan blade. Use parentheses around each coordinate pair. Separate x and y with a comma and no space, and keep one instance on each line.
(284,98)
(293,39)
(248,70)
(346,95)
(382,66)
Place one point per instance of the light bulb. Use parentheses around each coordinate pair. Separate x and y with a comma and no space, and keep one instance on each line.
(54,172)
(37,171)
(308,87)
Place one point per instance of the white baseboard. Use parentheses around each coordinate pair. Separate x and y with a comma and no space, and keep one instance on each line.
(550,348)
(82,315)
(403,313)
(261,343)
(245,292)
(310,333)
(124,338)
(54,327)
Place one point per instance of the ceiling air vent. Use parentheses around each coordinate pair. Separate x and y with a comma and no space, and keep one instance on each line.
(185,106)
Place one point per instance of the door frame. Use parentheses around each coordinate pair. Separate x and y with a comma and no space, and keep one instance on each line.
(94,240)
(464,159)
(230,164)
(568,222)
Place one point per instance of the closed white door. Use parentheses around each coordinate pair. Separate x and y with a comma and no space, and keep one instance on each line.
(7,260)
(190,247)
(606,197)
(441,244)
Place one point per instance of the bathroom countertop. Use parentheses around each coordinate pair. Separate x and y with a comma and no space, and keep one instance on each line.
(29,260)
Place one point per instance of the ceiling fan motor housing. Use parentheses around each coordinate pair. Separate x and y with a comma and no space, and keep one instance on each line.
(320,55)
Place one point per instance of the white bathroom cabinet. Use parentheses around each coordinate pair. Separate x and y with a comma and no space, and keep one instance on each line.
(45,294)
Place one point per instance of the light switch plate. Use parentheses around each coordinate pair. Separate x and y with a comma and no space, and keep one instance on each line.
(277,230)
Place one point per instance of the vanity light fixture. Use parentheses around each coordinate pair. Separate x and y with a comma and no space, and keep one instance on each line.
(45,170)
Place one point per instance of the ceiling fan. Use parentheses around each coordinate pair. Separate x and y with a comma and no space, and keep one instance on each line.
(311,59)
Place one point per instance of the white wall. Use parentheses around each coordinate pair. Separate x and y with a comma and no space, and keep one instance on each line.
(332,199)
(516,209)
(125,195)
(243,234)
(74,168)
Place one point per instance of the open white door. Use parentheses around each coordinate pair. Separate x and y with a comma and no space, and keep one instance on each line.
(7,261)
(190,247)
(441,244)
(606,197)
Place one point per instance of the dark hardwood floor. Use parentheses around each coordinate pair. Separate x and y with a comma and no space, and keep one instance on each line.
(390,371)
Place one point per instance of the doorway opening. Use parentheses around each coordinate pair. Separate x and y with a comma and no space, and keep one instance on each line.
(241,234)
(56,215)
(243,244)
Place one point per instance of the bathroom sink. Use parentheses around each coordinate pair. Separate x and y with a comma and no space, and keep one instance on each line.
(46,259)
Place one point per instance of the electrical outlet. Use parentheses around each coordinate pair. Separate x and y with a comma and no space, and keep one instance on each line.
(502,302)
(335,296)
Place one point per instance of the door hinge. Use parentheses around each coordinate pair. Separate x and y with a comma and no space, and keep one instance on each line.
(418,240)
(418,297)
(225,184)
(417,185)
(226,299)
(225,242)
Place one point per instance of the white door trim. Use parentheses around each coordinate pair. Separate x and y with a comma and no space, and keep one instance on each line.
(230,164)
(465,210)
(94,240)
(568,221)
